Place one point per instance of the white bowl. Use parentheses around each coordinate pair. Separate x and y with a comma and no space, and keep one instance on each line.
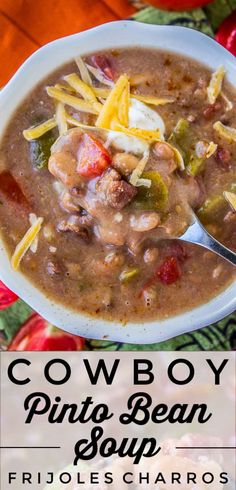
(115,34)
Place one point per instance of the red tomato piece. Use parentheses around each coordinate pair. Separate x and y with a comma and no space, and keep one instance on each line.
(7,297)
(169,271)
(226,34)
(39,335)
(103,63)
(11,191)
(178,4)
(92,157)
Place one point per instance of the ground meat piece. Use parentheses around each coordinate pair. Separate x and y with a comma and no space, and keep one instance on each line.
(114,191)
(73,225)
(195,191)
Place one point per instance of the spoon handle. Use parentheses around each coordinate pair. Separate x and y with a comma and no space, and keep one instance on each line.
(197,234)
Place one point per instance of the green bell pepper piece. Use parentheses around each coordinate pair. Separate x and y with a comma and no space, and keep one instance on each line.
(154,197)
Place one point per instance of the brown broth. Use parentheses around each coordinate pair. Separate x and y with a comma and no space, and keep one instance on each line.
(91,285)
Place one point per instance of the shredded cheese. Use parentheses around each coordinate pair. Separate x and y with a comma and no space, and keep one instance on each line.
(110,107)
(34,245)
(212,147)
(101,92)
(71,100)
(84,73)
(225,131)
(37,131)
(228,104)
(24,245)
(84,90)
(214,87)
(137,172)
(144,183)
(231,198)
(149,99)
(145,134)
(61,118)
(123,105)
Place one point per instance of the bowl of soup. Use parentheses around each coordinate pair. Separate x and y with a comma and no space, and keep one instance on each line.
(108,139)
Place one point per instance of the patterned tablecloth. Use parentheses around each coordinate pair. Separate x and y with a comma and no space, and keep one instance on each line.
(220,336)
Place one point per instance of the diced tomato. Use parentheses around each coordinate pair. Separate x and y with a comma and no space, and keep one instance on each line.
(36,334)
(92,157)
(103,63)
(226,34)
(7,297)
(11,191)
(169,271)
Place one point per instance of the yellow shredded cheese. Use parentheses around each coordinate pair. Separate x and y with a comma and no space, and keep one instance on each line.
(145,134)
(231,198)
(225,131)
(101,92)
(67,88)
(25,243)
(214,87)
(123,106)
(74,122)
(110,107)
(34,245)
(37,131)
(149,99)
(84,73)
(71,100)
(137,172)
(84,90)
(61,118)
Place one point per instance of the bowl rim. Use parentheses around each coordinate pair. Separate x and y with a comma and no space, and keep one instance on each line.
(81,324)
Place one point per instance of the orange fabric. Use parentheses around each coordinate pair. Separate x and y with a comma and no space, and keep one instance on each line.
(27,24)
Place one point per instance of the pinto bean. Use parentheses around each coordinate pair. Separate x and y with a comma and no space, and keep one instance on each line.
(125,163)
(63,166)
(144,222)
(150,255)
(163,151)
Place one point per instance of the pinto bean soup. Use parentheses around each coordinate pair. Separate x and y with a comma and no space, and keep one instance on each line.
(100,168)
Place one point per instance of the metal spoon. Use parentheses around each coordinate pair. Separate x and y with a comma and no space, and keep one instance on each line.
(196,233)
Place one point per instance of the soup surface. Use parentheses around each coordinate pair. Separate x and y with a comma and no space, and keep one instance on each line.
(100,168)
